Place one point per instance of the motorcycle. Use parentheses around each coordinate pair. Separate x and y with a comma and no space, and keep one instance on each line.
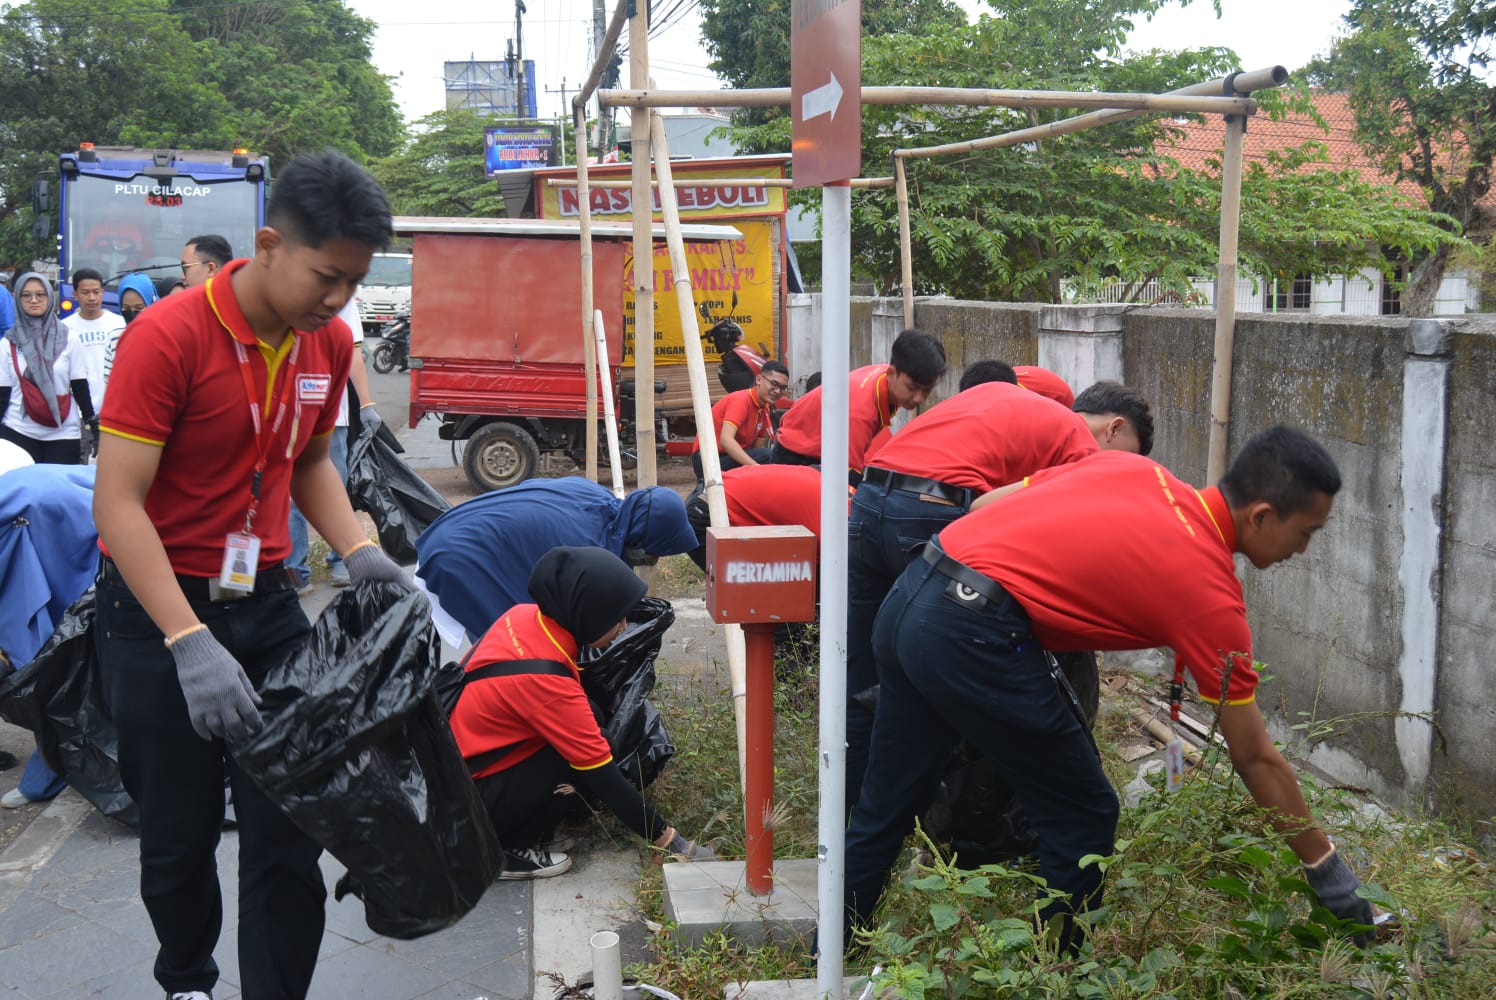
(394,348)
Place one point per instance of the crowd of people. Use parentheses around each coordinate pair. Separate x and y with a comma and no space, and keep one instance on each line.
(1011,520)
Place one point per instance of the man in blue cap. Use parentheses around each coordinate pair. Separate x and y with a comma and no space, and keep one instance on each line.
(475,560)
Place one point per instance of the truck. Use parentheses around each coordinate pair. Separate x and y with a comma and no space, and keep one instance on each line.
(384,293)
(122,209)
(496,349)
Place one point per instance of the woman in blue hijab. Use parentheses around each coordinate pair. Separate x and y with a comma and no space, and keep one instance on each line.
(136,291)
(476,559)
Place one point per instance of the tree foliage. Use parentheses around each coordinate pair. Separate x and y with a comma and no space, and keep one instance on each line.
(279,78)
(439,171)
(1106,204)
(1415,73)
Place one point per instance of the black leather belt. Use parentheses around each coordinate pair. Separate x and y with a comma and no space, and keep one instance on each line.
(205,590)
(967,585)
(956,496)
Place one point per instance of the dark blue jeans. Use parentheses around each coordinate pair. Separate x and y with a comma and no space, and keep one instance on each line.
(177,780)
(951,672)
(885,529)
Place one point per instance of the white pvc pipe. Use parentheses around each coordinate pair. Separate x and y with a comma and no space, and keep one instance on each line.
(607,968)
(614,458)
(836,322)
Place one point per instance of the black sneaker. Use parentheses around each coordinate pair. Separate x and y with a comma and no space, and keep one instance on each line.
(534,862)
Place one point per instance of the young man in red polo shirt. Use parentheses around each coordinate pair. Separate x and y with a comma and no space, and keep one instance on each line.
(1111,552)
(935,470)
(744,421)
(225,400)
(916,361)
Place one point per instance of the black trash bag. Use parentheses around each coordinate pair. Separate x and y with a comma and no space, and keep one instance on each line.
(357,752)
(618,681)
(974,809)
(59,696)
(401,503)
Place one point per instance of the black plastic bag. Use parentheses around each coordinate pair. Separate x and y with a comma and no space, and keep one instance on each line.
(59,696)
(618,681)
(357,752)
(975,810)
(401,503)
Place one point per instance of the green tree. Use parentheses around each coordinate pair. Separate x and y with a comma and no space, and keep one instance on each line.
(439,171)
(1416,75)
(1104,204)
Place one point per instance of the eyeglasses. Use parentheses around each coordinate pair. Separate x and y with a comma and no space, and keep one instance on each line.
(34,296)
(191,263)
(775,386)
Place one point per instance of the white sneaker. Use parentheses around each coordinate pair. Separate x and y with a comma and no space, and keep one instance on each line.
(533,862)
(14,799)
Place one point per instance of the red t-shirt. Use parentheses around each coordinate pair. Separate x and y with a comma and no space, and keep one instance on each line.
(988,436)
(869,410)
(773,494)
(1045,383)
(742,410)
(1114,552)
(178,384)
(528,711)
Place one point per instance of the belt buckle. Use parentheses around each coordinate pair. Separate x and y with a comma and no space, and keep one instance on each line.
(218,593)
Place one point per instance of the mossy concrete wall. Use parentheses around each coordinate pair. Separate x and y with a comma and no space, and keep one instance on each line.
(1391,613)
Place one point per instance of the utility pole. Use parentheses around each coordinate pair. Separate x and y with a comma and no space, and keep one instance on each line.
(521,105)
(565,110)
(600,32)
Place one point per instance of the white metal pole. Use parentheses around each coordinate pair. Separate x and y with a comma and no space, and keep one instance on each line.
(615,460)
(836,289)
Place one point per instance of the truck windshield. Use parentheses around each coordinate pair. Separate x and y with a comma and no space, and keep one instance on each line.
(116,226)
(388,271)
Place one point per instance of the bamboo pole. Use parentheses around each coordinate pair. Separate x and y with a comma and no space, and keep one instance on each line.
(615,462)
(584,233)
(906,256)
(643,216)
(720,182)
(1225,304)
(1173,102)
(701,408)
(579,109)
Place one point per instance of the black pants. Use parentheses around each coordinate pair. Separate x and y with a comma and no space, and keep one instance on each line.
(177,780)
(68,451)
(522,800)
(762,456)
(783,456)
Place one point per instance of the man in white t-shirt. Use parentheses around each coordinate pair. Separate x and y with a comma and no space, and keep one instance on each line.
(95,330)
(358,375)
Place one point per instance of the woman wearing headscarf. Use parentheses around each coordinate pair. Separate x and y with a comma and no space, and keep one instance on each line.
(44,401)
(523,723)
(475,560)
(136,291)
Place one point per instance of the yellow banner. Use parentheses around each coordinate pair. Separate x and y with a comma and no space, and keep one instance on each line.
(697,203)
(718,271)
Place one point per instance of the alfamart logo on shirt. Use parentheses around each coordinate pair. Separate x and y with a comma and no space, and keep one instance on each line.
(743,571)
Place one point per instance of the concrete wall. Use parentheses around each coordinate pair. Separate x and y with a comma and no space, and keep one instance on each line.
(1387,620)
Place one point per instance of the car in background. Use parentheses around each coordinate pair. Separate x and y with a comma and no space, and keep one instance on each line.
(385,292)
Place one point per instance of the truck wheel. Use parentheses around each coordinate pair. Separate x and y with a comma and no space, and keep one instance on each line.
(384,358)
(499,455)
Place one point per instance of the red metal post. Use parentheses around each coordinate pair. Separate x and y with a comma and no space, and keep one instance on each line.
(758,796)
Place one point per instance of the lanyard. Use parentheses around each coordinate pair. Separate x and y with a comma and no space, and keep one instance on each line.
(262,439)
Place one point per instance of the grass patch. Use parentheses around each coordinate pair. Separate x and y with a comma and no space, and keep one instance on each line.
(1202,900)
(676,577)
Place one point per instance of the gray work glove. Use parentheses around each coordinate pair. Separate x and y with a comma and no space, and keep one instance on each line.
(690,850)
(1335,886)
(370,563)
(220,700)
(370,420)
(88,442)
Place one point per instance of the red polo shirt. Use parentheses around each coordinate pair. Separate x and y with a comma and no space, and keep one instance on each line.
(179,386)
(1045,383)
(743,411)
(869,410)
(773,494)
(528,711)
(1114,552)
(990,435)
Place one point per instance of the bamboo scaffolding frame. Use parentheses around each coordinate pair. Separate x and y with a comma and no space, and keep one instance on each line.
(680,182)
(645,473)
(1174,101)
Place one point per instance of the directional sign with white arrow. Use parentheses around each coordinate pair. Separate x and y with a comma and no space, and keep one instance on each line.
(826,90)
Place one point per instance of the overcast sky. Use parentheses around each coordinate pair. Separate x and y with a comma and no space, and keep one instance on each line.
(415,38)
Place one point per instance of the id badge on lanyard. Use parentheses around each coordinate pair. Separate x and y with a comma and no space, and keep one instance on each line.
(241,549)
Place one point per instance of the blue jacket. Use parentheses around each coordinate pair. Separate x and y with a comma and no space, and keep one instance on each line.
(477,557)
(48,551)
(7,311)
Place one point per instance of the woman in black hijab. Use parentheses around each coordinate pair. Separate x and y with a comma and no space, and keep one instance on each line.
(523,723)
